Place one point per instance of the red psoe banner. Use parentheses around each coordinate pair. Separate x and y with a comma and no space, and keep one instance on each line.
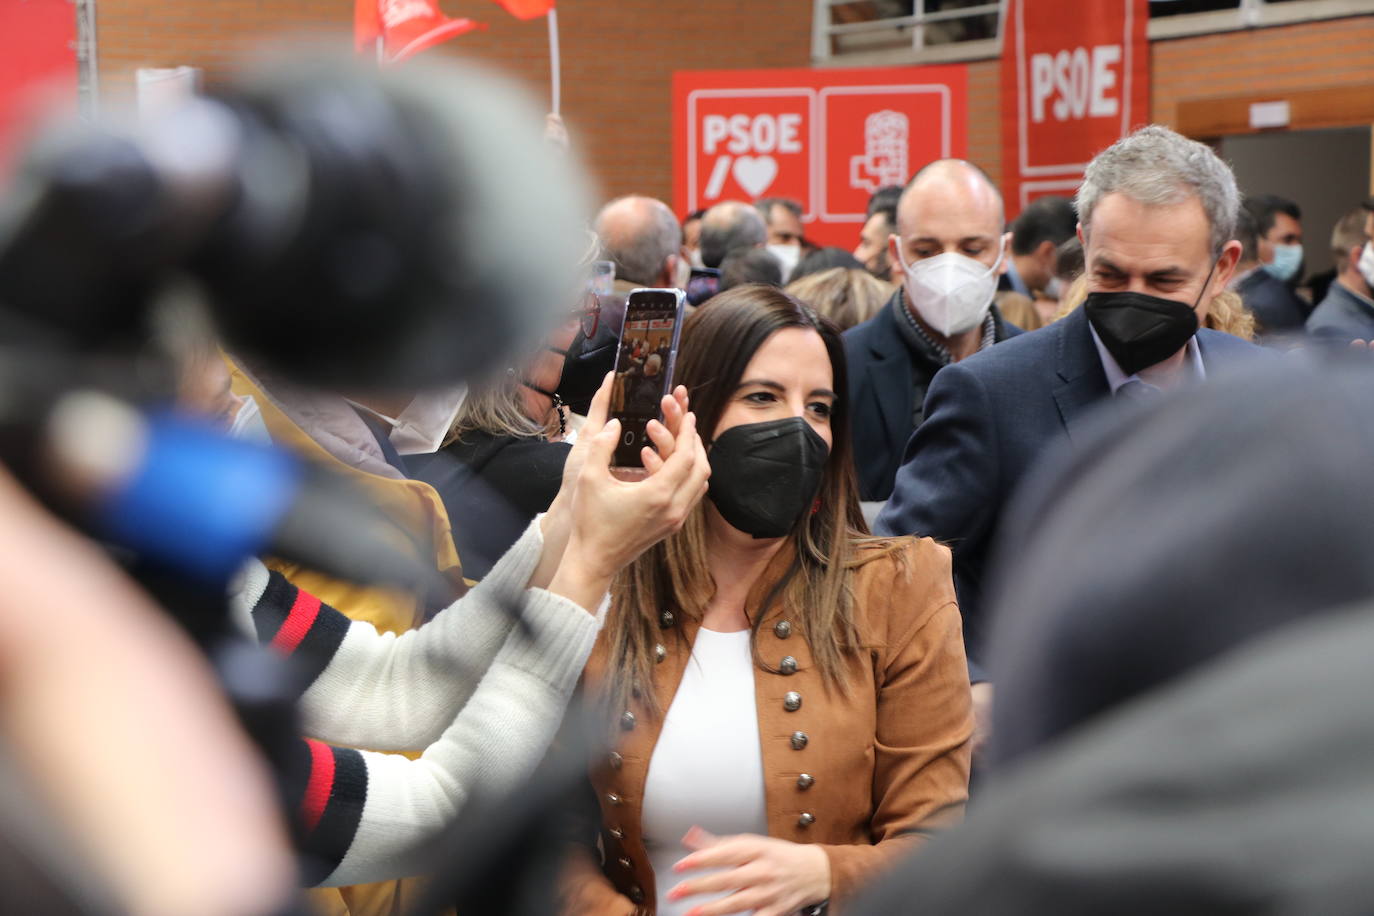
(1075,78)
(37,67)
(825,138)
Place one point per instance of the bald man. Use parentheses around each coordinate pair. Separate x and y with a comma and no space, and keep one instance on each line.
(950,251)
(729,226)
(643,237)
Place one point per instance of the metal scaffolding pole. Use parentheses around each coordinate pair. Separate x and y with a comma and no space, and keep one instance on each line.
(87,61)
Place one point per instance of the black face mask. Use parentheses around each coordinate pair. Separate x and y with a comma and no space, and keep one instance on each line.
(1140,330)
(588,360)
(764,476)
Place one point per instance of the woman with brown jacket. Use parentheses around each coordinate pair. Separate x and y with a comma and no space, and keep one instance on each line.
(789,696)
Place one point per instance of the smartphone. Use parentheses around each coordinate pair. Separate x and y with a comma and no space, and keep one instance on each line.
(702,284)
(645,358)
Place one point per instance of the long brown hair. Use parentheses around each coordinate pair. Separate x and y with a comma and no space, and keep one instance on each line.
(718,341)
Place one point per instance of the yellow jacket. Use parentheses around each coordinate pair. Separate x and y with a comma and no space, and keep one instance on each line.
(422,525)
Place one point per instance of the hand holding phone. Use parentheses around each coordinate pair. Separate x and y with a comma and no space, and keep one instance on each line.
(645,359)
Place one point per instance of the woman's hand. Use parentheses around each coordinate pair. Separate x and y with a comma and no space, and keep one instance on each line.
(611,521)
(768,877)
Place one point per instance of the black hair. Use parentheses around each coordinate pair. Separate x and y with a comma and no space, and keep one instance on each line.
(1046,219)
(750,265)
(1265,207)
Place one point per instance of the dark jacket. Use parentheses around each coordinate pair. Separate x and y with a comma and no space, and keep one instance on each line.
(887,386)
(1214,515)
(988,419)
(492,486)
(1239,790)
(1342,316)
(1277,309)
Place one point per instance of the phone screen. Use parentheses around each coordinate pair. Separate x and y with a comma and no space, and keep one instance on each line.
(644,367)
(702,284)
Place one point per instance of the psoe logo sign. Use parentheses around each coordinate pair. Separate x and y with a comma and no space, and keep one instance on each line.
(749,143)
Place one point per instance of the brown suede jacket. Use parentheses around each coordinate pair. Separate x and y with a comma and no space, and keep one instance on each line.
(867,773)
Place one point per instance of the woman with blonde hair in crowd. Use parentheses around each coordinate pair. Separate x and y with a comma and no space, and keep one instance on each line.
(789,695)
(1226,313)
(847,296)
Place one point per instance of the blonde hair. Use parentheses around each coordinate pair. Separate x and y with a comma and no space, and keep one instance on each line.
(1226,313)
(1019,309)
(497,407)
(846,295)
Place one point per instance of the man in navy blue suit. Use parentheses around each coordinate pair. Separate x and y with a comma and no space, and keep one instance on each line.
(1157,217)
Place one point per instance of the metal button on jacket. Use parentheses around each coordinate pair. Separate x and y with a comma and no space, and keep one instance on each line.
(665,620)
(782,629)
(617,833)
(616,760)
(788,665)
(613,800)
(660,653)
(805,781)
(792,701)
(626,863)
(637,894)
(806,820)
(627,720)
(799,740)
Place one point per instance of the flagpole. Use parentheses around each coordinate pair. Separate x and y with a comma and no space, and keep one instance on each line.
(381,36)
(553,59)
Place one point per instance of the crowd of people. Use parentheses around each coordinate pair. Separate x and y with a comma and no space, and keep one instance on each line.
(964,506)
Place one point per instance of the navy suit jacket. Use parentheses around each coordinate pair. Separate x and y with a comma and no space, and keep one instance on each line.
(1342,317)
(1276,307)
(886,383)
(987,420)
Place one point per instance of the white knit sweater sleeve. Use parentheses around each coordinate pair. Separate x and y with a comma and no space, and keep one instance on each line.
(400,692)
(493,745)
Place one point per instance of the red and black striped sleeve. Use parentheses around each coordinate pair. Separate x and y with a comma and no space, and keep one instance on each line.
(298,624)
(326,788)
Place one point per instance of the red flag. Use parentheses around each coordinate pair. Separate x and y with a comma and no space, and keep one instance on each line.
(367,24)
(406,27)
(526,9)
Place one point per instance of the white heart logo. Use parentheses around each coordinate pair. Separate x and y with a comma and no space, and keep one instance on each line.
(755,173)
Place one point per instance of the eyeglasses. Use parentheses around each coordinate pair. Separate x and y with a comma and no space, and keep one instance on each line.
(589,314)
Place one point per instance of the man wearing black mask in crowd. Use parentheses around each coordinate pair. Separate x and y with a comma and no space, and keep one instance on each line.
(1157,217)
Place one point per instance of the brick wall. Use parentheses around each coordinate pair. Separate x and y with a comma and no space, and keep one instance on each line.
(1313,55)
(618,57)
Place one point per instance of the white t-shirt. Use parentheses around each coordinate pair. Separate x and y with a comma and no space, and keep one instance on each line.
(707,768)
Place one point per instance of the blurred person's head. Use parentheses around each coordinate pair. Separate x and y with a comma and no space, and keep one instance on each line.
(729,226)
(1068,267)
(1354,254)
(783,217)
(880,221)
(847,296)
(1247,233)
(641,235)
(1036,234)
(759,367)
(522,400)
(1279,226)
(950,245)
(749,265)
(691,237)
(183,334)
(1157,218)
(819,259)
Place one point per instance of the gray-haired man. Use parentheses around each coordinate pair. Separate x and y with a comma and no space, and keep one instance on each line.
(1157,217)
